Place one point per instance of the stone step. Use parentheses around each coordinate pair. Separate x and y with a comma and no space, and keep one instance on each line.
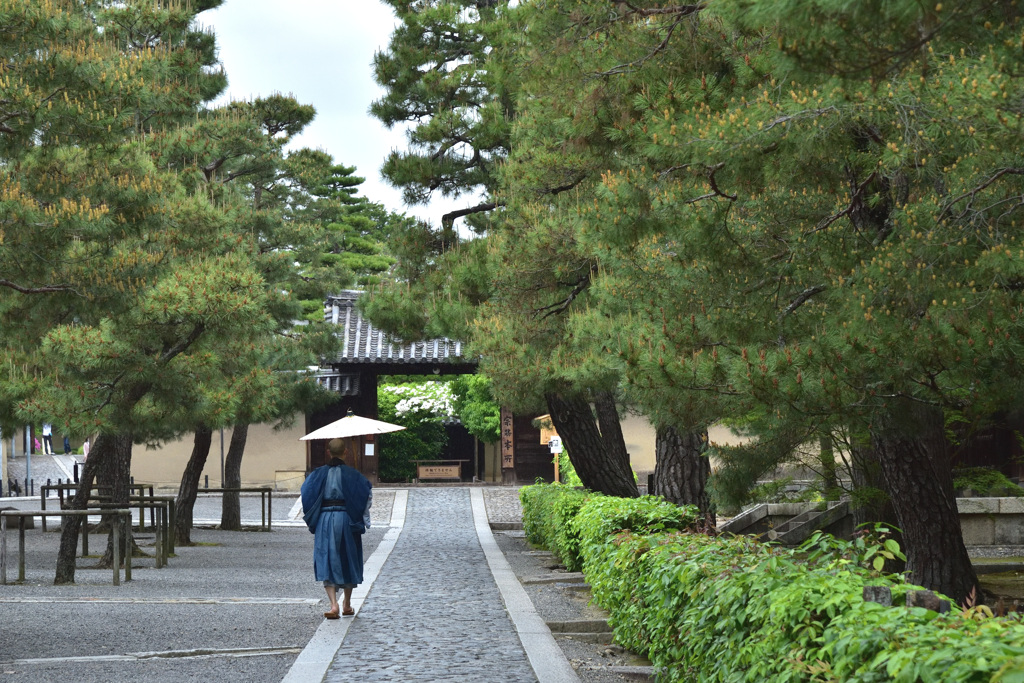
(632,673)
(567,578)
(506,526)
(580,626)
(997,567)
(585,637)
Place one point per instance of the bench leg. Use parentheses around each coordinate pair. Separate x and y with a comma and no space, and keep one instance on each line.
(21,548)
(129,544)
(170,527)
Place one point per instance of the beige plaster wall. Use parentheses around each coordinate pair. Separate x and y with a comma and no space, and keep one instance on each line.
(269,455)
(640,436)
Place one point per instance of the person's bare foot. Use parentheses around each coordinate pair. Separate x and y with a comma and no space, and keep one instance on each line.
(347,611)
(333,613)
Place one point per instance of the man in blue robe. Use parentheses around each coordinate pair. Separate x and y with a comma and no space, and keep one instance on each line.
(336,503)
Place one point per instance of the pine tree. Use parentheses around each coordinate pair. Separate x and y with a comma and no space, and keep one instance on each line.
(833,197)
(452,67)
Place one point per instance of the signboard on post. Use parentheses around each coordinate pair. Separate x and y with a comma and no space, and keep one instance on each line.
(507,440)
(555,444)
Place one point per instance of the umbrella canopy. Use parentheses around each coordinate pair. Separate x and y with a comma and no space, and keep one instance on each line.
(351,425)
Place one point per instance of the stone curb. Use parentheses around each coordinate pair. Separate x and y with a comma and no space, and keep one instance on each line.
(546,657)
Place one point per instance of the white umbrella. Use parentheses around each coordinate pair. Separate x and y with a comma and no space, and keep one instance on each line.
(349,426)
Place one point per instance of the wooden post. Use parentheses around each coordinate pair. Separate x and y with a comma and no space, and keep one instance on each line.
(3,549)
(85,535)
(116,531)
(270,508)
(168,520)
(142,509)
(158,540)
(21,548)
(42,503)
(128,544)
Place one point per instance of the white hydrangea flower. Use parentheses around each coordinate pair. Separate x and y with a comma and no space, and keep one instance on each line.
(431,400)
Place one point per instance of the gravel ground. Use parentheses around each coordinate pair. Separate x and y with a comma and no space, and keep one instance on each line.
(555,602)
(159,612)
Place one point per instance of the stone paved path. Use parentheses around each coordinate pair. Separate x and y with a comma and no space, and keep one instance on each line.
(434,613)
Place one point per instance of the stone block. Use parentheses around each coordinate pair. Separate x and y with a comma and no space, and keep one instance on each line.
(978,529)
(977,506)
(1011,506)
(928,600)
(789,509)
(12,522)
(1009,530)
(880,594)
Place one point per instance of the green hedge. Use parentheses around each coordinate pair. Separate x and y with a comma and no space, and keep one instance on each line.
(548,510)
(734,609)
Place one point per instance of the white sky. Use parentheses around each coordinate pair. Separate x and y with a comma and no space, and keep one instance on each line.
(320,51)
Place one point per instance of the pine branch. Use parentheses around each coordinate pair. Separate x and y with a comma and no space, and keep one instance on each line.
(449,218)
(854,203)
(970,195)
(629,66)
(46,289)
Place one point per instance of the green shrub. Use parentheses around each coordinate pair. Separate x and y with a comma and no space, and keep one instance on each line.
(601,518)
(548,510)
(706,608)
(985,481)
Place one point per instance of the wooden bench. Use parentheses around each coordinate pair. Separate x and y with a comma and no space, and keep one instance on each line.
(266,501)
(68,489)
(122,520)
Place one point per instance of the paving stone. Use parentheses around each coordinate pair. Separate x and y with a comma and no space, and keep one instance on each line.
(434,613)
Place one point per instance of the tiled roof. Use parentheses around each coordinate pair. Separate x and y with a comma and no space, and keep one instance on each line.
(364,343)
(344,384)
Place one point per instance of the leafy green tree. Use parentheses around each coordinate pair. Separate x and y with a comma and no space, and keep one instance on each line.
(133,283)
(474,403)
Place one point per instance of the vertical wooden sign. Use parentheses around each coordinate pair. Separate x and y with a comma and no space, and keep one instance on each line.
(507,440)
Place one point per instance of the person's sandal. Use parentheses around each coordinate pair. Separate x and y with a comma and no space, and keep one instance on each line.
(347,612)
(331,615)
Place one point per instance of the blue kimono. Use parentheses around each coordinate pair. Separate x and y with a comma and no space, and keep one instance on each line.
(335,502)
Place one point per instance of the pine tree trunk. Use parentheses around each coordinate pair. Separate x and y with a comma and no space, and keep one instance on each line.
(601,464)
(185,503)
(231,510)
(71,525)
(115,476)
(681,469)
(829,476)
(871,504)
(911,448)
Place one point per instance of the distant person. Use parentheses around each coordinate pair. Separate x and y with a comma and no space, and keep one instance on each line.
(47,438)
(336,503)
(67,445)
(85,448)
